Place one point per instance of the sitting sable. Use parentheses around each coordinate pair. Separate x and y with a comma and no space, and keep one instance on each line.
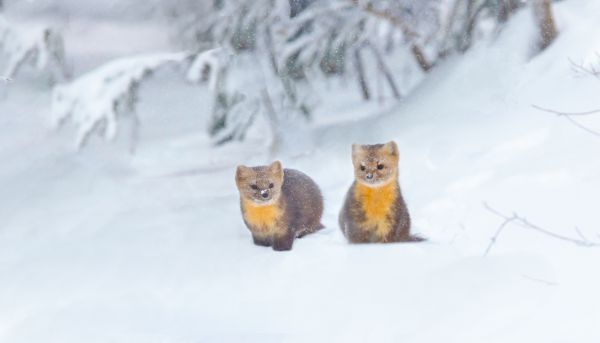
(374,210)
(278,205)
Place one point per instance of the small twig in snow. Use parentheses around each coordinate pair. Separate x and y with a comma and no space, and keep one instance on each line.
(523,222)
(545,282)
(507,220)
(558,113)
(580,234)
(591,70)
(569,115)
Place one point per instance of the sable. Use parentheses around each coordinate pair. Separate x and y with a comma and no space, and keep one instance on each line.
(374,210)
(278,205)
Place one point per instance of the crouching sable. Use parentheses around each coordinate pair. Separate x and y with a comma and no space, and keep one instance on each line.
(278,205)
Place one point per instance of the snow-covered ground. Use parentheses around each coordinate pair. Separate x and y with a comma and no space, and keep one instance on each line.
(100,245)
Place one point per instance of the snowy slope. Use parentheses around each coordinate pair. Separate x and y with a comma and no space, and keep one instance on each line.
(103,246)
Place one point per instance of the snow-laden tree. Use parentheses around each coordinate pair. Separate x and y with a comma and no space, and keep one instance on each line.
(463,19)
(96,101)
(282,27)
(232,111)
(269,53)
(244,87)
(298,42)
(336,36)
(42,48)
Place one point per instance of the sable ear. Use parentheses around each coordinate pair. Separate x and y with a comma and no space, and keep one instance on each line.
(276,169)
(392,148)
(356,148)
(240,174)
(356,153)
(275,166)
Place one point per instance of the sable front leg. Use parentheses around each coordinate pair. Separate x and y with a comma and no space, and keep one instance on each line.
(261,241)
(284,242)
(357,235)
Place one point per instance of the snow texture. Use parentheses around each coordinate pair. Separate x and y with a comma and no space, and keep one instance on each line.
(104,246)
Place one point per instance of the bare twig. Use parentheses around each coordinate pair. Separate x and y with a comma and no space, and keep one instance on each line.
(559,113)
(506,221)
(591,70)
(545,282)
(385,71)
(360,71)
(587,129)
(580,233)
(524,223)
(569,116)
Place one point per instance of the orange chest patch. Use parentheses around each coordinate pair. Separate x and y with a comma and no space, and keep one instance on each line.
(376,203)
(262,218)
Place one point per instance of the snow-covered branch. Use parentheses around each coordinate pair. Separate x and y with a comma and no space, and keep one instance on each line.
(95,101)
(43,49)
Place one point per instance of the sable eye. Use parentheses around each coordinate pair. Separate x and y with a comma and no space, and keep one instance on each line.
(380,166)
(271,185)
(362,167)
(255,187)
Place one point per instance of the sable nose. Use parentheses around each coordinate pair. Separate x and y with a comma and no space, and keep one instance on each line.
(369,176)
(264,193)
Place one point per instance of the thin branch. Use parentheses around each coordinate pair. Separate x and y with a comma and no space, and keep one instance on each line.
(569,116)
(420,57)
(591,70)
(360,71)
(559,113)
(580,233)
(595,133)
(524,223)
(545,282)
(385,71)
(498,231)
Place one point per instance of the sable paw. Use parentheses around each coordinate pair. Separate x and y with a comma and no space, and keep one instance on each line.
(261,242)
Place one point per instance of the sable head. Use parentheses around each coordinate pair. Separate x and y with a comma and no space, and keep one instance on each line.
(261,184)
(376,164)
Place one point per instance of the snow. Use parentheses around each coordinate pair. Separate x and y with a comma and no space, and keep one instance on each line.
(41,47)
(96,100)
(101,245)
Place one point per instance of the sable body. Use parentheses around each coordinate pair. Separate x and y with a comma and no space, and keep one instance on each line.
(279,205)
(374,210)
(371,217)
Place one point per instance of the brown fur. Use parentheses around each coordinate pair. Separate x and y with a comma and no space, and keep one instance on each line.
(278,205)
(374,210)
